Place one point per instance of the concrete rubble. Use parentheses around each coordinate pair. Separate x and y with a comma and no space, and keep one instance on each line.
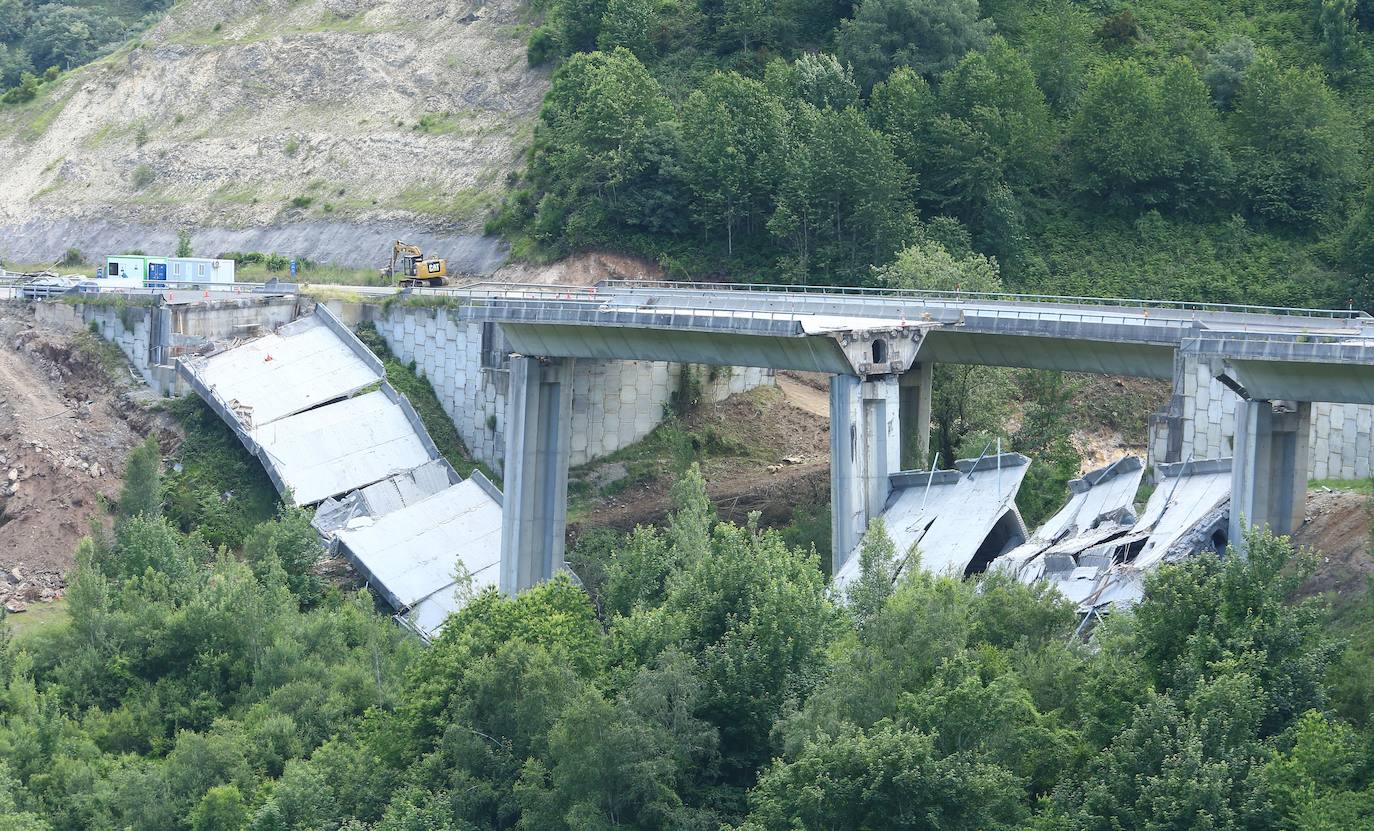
(1096,552)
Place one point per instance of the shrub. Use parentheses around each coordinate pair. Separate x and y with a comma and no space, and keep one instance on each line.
(27,90)
(302,201)
(142,176)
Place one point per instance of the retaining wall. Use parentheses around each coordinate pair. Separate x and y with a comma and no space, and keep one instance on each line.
(1203,411)
(615,403)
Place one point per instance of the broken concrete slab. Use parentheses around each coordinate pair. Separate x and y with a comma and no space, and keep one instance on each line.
(958,520)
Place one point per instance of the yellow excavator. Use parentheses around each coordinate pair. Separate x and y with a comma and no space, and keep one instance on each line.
(415,269)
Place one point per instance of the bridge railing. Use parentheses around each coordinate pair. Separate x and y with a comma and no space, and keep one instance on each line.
(967,296)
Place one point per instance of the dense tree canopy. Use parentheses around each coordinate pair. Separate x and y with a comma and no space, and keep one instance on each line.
(1214,157)
(703,678)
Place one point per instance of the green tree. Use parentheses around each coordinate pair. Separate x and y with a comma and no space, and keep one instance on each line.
(841,202)
(64,36)
(1356,251)
(1045,437)
(221,809)
(288,541)
(903,107)
(628,24)
(183,243)
(1060,51)
(605,155)
(927,265)
(14,63)
(1297,149)
(818,79)
(1336,25)
(733,132)
(624,762)
(878,573)
(141,494)
(929,36)
(1142,142)
(11,818)
(756,615)
(1226,69)
(887,778)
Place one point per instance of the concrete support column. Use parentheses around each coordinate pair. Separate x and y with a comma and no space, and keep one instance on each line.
(1269,466)
(535,503)
(865,448)
(916,388)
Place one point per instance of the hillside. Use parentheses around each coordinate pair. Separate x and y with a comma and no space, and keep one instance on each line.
(321,128)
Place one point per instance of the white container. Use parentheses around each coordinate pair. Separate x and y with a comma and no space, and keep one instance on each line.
(198,271)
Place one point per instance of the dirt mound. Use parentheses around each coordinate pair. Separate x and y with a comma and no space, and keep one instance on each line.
(582,269)
(64,432)
(766,454)
(1337,528)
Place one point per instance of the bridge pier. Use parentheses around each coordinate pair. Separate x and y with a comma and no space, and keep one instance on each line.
(1269,466)
(916,388)
(538,420)
(865,448)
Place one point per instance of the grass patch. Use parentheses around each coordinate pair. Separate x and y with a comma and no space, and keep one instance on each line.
(1363,486)
(426,402)
(313,273)
(37,618)
(464,203)
(220,488)
(118,301)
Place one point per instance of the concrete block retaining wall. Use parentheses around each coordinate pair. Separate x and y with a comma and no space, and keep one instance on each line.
(1340,440)
(615,403)
(128,327)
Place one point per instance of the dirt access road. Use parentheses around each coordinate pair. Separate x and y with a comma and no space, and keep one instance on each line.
(65,428)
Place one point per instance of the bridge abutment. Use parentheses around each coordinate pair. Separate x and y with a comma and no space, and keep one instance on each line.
(538,428)
(1269,467)
(865,449)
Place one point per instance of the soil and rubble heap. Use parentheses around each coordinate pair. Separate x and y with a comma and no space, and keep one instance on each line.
(67,420)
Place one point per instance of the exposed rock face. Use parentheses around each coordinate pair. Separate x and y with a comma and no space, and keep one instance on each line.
(278,126)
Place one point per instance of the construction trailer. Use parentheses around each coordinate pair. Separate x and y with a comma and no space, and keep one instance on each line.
(133,271)
(199,271)
(138,271)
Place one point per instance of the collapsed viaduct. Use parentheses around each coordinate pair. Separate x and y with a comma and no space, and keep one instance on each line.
(879,349)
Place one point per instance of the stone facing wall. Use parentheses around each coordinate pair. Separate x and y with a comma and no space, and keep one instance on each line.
(129,328)
(1340,441)
(615,403)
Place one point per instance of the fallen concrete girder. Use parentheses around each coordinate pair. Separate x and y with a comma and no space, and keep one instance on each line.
(1102,562)
(956,521)
(426,558)
(291,398)
(298,400)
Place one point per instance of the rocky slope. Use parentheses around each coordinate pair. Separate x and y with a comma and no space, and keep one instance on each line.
(320,128)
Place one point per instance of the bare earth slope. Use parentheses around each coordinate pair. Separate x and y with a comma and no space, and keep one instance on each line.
(391,117)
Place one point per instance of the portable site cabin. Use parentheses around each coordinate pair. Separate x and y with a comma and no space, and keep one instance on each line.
(137,271)
(134,270)
(199,271)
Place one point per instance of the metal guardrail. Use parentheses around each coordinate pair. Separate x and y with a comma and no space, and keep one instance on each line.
(967,296)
